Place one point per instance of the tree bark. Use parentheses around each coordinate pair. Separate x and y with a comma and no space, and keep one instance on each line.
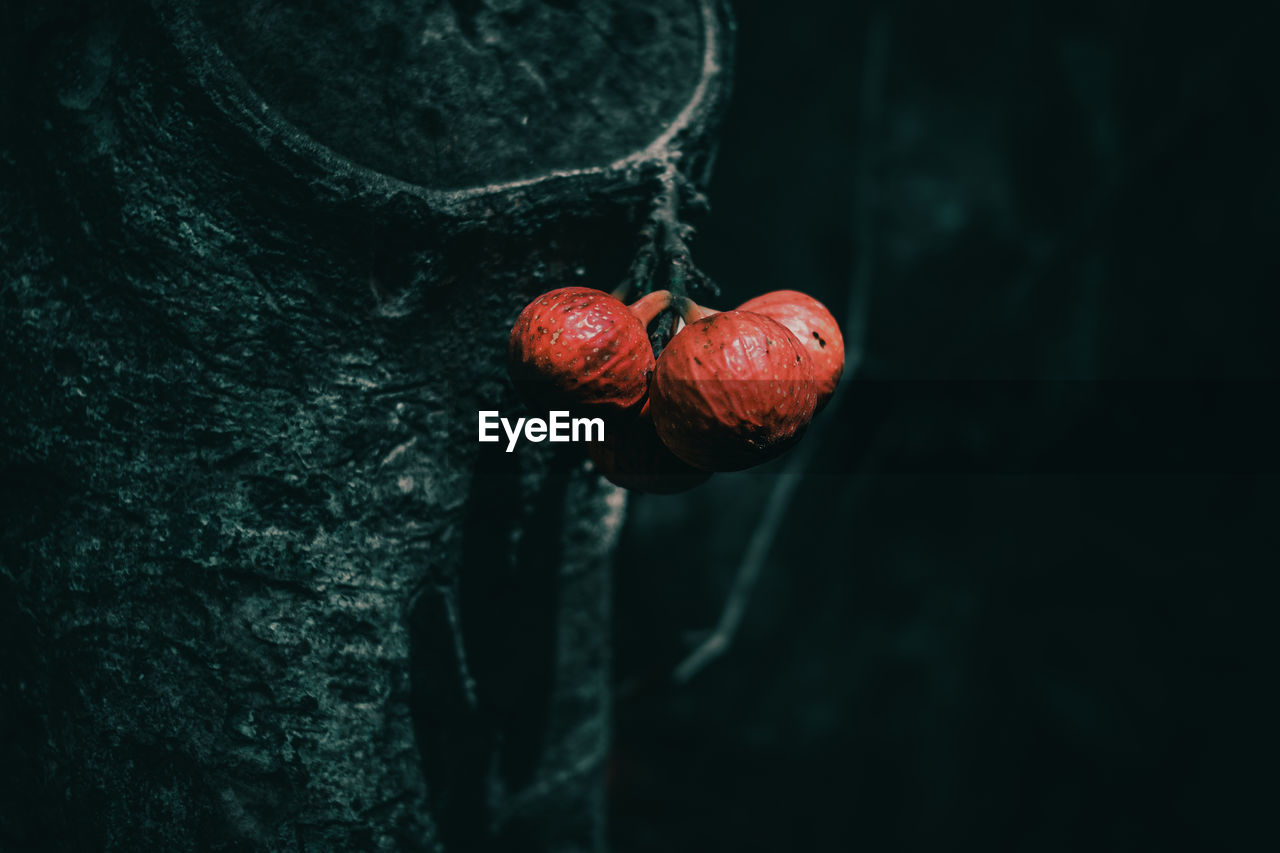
(260,588)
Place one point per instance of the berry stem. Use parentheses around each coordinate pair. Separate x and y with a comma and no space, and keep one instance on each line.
(640,274)
(689,310)
(663,259)
(650,305)
(672,232)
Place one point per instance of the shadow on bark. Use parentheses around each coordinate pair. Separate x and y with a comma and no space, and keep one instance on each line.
(484,703)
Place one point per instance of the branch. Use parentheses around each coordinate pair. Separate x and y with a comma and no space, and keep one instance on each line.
(761,543)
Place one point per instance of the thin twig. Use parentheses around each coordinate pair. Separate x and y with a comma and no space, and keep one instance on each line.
(855,331)
(1092,220)
(758,548)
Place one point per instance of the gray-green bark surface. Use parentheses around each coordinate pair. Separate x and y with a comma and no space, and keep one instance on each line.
(259,586)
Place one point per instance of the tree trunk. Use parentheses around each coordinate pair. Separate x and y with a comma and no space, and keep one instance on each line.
(260,587)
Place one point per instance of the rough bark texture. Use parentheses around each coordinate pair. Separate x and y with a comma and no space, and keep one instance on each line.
(555,84)
(259,586)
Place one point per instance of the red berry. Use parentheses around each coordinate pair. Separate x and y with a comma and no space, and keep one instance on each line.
(632,456)
(582,350)
(732,390)
(811,322)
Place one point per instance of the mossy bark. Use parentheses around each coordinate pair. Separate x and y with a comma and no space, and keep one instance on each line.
(260,588)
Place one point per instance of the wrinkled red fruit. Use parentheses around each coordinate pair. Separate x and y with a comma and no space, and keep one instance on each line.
(811,322)
(732,390)
(582,350)
(632,456)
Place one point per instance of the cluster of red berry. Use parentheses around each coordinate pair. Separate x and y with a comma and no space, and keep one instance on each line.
(730,390)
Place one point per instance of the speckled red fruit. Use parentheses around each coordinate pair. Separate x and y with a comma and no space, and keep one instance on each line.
(811,322)
(732,390)
(632,456)
(580,349)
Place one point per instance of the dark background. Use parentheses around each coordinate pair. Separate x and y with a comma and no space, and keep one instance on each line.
(1023,596)
(1026,603)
